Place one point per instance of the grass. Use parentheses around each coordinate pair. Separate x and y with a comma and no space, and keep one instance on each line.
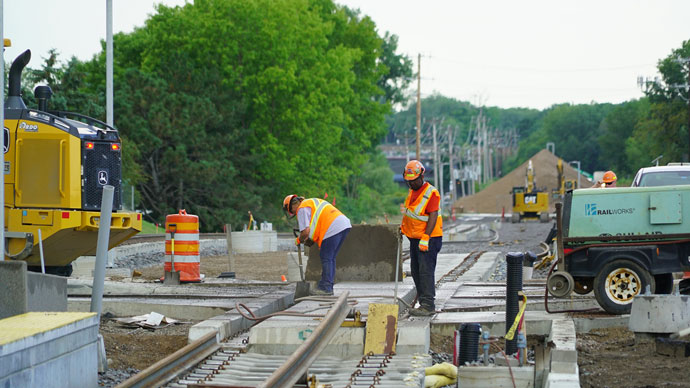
(149,228)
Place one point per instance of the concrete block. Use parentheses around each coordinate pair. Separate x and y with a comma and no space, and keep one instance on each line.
(413,337)
(562,380)
(563,367)
(46,292)
(13,288)
(564,355)
(219,326)
(254,241)
(672,347)
(283,336)
(659,313)
(49,350)
(495,376)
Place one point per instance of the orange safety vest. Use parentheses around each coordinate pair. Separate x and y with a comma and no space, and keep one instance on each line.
(322,216)
(415,219)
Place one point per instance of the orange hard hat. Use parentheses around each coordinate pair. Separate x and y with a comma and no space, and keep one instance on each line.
(286,204)
(413,169)
(609,177)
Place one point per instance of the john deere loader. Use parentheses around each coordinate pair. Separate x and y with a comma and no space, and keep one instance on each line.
(56,165)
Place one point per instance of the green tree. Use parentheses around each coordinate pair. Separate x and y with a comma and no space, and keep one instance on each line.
(666,127)
(618,127)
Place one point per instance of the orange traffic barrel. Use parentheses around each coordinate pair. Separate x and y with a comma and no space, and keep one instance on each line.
(182,245)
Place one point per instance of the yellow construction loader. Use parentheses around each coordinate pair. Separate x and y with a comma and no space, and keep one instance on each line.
(56,165)
(528,201)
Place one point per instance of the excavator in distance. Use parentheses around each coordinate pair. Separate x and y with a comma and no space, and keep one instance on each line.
(528,201)
(56,165)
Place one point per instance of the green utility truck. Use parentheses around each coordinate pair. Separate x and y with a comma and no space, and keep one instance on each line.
(618,241)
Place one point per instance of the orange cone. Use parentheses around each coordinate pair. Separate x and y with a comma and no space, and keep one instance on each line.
(283,278)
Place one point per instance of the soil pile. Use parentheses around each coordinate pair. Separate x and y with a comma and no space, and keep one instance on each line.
(496,197)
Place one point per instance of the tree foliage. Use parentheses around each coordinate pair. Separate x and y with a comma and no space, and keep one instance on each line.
(226,106)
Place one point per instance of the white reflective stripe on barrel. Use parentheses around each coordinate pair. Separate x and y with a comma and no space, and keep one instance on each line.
(183,259)
(183,237)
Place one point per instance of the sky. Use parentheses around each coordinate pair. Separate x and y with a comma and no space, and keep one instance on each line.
(507,53)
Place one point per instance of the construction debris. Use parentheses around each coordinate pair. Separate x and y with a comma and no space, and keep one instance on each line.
(151,321)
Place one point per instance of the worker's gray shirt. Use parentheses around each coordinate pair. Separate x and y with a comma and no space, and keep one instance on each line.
(339,224)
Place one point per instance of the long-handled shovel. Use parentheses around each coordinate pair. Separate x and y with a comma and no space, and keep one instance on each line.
(302,287)
(172,278)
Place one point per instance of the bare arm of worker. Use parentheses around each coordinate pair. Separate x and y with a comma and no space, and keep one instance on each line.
(433,216)
(303,235)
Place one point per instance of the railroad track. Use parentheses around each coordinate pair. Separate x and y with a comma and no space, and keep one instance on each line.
(208,363)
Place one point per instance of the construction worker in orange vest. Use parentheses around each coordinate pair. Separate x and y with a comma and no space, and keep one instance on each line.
(422,224)
(319,222)
(607,181)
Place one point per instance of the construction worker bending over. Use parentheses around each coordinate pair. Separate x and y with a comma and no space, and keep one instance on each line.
(607,181)
(422,224)
(319,222)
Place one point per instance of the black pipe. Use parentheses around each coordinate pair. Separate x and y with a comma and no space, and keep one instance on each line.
(16,73)
(469,343)
(14,99)
(513,285)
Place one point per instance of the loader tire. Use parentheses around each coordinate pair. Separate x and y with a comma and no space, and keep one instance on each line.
(618,283)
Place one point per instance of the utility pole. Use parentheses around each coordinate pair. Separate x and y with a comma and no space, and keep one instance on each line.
(419,101)
(450,166)
(435,163)
(109,63)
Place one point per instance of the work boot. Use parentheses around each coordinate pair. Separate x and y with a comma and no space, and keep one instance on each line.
(320,292)
(422,312)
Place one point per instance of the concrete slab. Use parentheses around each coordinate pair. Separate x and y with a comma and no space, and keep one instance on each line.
(495,376)
(660,313)
(413,337)
(49,350)
(46,292)
(283,335)
(562,358)
(538,322)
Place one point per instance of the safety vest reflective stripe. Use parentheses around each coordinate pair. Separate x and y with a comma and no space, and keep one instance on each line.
(425,198)
(410,214)
(321,204)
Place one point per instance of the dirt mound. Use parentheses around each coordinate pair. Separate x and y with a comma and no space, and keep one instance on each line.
(496,197)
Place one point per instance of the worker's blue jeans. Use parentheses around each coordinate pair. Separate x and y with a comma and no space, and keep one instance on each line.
(423,266)
(329,250)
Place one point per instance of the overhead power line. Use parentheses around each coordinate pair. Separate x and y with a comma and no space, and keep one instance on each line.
(541,70)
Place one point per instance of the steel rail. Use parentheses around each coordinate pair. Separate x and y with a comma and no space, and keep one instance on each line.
(171,366)
(296,366)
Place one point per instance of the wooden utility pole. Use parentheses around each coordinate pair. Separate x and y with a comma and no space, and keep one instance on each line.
(450,166)
(419,100)
(435,164)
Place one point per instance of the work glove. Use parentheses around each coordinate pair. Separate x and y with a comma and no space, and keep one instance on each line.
(424,243)
(297,242)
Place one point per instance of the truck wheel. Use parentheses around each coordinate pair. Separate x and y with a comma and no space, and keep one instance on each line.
(544,217)
(664,283)
(618,282)
(583,286)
